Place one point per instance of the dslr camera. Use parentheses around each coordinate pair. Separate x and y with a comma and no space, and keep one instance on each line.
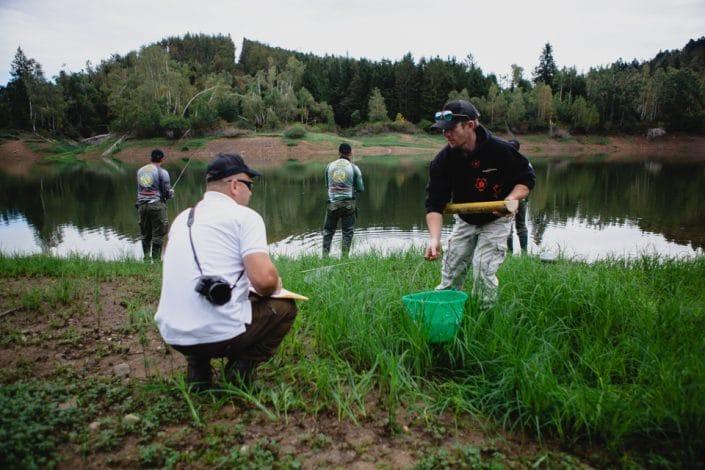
(215,289)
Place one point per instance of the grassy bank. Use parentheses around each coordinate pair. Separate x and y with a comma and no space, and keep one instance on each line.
(604,359)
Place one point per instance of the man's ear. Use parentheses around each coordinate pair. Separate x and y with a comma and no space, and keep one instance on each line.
(232,188)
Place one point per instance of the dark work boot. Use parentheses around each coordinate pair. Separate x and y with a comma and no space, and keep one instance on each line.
(523,241)
(146,250)
(240,371)
(198,373)
(156,252)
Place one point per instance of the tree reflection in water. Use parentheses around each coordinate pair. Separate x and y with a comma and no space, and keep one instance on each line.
(650,197)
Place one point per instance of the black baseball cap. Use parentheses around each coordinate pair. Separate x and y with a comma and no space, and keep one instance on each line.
(226,164)
(344,148)
(157,155)
(461,111)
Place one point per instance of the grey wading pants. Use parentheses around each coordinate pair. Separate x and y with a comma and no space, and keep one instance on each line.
(482,247)
(154,225)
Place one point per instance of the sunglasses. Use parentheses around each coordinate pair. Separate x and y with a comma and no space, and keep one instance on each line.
(249,184)
(448,116)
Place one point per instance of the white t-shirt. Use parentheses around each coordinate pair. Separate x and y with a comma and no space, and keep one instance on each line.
(223,232)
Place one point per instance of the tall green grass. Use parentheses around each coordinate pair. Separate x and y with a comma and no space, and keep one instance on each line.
(73,266)
(609,353)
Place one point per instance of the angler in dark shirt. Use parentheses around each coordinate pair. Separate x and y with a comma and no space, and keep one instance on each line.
(475,166)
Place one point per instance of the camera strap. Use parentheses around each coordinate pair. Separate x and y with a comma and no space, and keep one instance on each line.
(191,214)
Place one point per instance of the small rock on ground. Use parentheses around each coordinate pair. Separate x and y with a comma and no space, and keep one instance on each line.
(122,370)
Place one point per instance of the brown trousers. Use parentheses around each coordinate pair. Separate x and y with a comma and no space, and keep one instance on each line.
(271,321)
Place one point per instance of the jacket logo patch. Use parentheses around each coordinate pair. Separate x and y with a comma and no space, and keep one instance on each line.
(338,176)
(475,163)
(481,184)
(146,179)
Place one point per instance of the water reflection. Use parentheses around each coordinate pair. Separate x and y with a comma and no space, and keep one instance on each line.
(586,209)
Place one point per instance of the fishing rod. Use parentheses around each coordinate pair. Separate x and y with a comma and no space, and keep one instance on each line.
(331,266)
(182,172)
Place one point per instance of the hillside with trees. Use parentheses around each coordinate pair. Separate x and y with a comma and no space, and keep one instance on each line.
(193,85)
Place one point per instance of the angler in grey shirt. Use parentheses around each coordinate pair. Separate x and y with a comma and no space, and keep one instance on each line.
(343,180)
(153,190)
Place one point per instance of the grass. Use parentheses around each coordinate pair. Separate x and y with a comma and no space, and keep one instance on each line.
(190,143)
(402,140)
(607,354)
(74,266)
(391,139)
(59,152)
(593,139)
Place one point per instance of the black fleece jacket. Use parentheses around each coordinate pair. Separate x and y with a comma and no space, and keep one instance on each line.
(489,173)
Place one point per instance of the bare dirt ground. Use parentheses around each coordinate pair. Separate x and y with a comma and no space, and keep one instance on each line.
(16,158)
(96,334)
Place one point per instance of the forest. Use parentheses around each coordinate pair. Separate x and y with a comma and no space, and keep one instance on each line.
(194,85)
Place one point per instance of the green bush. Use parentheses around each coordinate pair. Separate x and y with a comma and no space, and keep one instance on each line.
(425,125)
(175,124)
(296,131)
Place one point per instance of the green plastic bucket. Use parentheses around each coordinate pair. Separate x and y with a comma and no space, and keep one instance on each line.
(440,310)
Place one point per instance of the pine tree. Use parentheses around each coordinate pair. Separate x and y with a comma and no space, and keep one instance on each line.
(27,76)
(407,87)
(547,69)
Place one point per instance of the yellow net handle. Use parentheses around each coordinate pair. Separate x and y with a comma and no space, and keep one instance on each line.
(507,207)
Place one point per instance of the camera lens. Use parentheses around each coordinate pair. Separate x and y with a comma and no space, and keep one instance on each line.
(219,293)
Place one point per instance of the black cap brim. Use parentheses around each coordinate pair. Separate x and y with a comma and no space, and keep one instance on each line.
(444,125)
(232,171)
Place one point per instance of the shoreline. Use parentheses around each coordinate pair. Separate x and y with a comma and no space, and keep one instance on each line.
(271,150)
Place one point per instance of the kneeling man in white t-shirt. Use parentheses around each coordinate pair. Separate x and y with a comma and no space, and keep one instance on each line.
(218,250)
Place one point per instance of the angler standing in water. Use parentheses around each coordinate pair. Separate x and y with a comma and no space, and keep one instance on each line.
(343,180)
(153,190)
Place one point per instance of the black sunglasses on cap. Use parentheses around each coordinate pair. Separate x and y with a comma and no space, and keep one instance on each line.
(449,115)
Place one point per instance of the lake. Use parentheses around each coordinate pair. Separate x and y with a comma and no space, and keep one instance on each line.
(585,209)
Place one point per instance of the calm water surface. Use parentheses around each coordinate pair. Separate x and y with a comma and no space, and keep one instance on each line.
(584,209)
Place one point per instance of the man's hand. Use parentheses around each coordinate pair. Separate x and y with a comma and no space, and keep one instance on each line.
(433,250)
(434,220)
(504,214)
(518,193)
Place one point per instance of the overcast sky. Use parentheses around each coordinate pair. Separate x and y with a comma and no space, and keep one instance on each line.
(65,34)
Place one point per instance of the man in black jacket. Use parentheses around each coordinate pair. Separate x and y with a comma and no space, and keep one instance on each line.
(475,166)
